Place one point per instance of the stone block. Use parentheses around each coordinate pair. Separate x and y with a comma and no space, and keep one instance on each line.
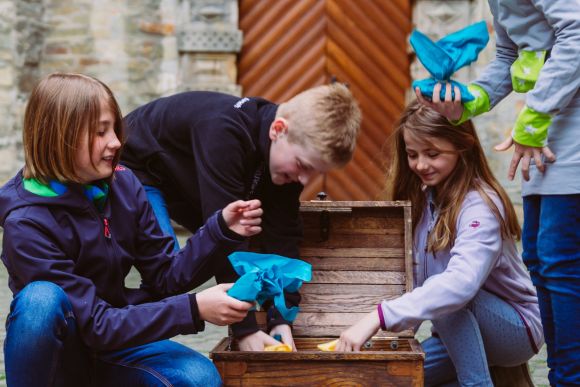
(208,40)
(219,69)
(6,76)
(163,29)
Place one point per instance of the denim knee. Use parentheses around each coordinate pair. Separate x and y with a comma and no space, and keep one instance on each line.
(198,371)
(38,307)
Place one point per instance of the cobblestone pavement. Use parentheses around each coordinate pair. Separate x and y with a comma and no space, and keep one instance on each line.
(205,341)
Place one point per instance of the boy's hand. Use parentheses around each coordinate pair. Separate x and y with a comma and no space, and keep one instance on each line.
(449,108)
(354,337)
(286,333)
(244,217)
(256,341)
(216,307)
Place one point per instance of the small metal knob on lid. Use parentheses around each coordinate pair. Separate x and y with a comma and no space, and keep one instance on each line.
(321,195)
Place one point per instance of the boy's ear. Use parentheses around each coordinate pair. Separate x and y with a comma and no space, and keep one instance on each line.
(278,127)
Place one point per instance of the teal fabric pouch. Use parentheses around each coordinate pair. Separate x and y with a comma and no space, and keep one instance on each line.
(444,57)
(266,276)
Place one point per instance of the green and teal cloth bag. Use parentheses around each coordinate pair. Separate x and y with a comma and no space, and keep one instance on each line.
(444,57)
(266,276)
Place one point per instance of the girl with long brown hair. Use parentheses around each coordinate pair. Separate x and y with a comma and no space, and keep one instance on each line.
(469,279)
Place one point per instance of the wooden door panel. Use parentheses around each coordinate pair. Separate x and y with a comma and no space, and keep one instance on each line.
(292,45)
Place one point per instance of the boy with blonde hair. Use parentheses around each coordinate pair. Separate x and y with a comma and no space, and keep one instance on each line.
(197,151)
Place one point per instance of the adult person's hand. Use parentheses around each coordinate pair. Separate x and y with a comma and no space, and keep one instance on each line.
(524,154)
(216,307)
(244,217)
(450,108)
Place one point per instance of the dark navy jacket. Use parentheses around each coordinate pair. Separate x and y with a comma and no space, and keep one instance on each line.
(63,240)
(204,150)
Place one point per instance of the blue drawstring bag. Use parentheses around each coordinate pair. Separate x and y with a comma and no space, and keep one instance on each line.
(266,276)
(444,57)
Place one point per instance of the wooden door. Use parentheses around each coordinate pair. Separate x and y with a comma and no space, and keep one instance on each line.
(292,45)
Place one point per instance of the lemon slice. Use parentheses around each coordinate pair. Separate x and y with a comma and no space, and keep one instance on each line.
(330,346)
(278,348)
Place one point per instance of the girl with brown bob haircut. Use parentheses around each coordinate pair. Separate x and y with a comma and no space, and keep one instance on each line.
(468,276)
(60,109)
(75,223)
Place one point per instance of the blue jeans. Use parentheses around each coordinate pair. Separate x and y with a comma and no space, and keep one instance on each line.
(551,243)
(486,332)
(159,205)
(43,348)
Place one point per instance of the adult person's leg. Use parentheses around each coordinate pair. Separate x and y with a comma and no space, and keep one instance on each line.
(42,347)
(532,206)
(162,363)
(487,332)
(159,205)
(558,252)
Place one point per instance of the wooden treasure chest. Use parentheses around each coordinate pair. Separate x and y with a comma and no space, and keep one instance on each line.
(361,253)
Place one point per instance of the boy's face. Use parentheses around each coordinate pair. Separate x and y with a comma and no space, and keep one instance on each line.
(292,163)
(105,146)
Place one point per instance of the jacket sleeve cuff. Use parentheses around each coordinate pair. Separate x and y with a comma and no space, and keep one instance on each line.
(275,318)
(531,128)
(198,323)
(525,70)
(292,299)
(226,230)
(245,327)
(381,317)
(479,105)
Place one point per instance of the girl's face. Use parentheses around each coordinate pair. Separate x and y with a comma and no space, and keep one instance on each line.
(105,147)
(432,159)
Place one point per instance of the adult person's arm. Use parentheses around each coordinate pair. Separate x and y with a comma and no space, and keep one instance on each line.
(557,83)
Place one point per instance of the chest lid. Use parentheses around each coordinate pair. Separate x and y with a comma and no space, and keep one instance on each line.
(361,254)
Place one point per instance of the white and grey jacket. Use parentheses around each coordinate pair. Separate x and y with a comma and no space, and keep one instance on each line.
(479,258)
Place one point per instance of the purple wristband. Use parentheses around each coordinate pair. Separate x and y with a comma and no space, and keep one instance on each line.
(381,317)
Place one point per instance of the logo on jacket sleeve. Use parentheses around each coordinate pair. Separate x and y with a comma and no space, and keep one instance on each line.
(120,168)
(474,224)
(242,101)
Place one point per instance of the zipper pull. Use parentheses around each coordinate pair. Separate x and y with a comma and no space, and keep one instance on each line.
(107,230)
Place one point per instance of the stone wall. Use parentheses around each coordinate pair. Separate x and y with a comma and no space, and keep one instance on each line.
(131,45)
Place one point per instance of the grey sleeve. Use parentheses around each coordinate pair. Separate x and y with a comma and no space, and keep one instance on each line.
(559,79)
(496,77)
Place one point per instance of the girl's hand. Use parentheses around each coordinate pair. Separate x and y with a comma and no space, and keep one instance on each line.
(216,307)
(449,108)
(244,217)
(256,341)
(286,333)
(354,337)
